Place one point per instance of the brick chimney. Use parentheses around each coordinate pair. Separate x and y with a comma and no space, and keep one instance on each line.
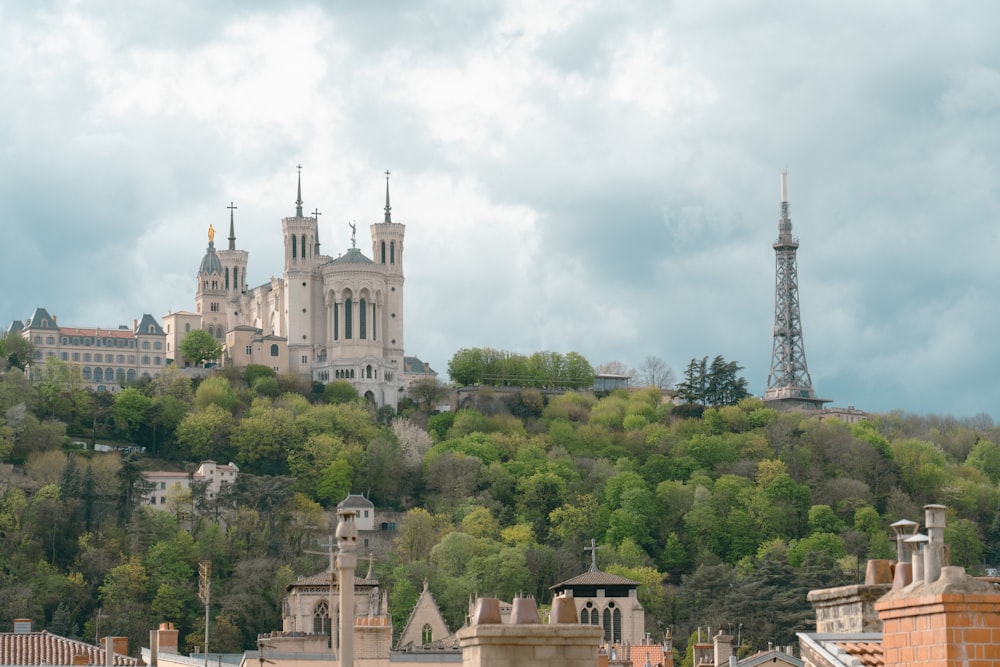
(953,621)
(166,638)
(723,648)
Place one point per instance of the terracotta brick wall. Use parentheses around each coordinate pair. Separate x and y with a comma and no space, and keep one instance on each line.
(952,622)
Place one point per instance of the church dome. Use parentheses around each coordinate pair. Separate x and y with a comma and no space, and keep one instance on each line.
(211,263)
(353,256)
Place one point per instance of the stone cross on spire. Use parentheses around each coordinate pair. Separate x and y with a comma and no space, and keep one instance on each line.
(593,554)
(232,226)
(388,209)
(298,202)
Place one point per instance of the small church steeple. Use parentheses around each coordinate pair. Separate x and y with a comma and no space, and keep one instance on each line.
(232,227)
(388,209)
(298,202)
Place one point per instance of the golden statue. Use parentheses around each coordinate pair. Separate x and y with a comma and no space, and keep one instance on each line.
(211,234)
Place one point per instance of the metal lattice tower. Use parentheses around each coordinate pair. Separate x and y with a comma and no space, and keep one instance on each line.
(788,382)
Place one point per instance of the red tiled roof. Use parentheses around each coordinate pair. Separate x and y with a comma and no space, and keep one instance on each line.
(45,648)
(640,652)
(868,653)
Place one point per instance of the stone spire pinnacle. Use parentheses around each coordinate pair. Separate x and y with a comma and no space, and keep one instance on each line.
(388,209)
(232,226)
(298,202)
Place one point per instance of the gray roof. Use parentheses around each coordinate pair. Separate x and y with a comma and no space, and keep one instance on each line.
(41,319)
(355,500)
(596,578)
(210,263)
(145,323)
(16,326)
(323,579)
(353,256)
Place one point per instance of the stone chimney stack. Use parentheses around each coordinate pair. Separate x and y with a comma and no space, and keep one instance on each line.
(723,648)
(488,642)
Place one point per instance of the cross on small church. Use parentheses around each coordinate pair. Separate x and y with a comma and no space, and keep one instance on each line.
(316,214)
(593,554)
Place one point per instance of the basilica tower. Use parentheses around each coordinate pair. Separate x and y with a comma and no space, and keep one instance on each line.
(789,386)
(210,297)
(234,274)
(387,250)
(301,237)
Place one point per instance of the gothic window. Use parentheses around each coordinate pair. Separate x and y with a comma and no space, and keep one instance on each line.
(336,321)
(274,350)
(293,246)
(383,252)
(321,619)
(593,617)
(363,319)
(236,279)
(607,625)
(617,616)
(373,322)
(392,252)
(227,277)
(303,246)
(425,634)
(347,319)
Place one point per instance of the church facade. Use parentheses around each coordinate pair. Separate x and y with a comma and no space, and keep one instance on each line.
(331,318)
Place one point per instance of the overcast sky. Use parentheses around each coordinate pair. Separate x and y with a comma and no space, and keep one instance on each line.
(598,177)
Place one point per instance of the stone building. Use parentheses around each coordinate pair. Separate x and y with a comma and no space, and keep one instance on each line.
(608,601)
(106,357)
(331,318)
(169,485)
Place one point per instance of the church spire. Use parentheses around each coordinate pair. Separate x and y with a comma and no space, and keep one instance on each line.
(298,202)
(388,209)
(232,227)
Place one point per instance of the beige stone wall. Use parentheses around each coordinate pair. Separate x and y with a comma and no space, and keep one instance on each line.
(848,608)
(566,645)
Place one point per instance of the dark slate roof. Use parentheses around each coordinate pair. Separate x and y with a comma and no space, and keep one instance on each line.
(146,322)
(210,263)
(16,326)
(45,648)
(323,579)
(596,578)
(353,256)
(355,500)
(41,317)
(414,365)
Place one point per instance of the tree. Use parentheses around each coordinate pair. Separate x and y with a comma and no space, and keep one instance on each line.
(16,349)
(713,385)
(427,391)
(654,372)
(199,347)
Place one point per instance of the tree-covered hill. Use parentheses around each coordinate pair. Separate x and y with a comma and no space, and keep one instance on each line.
(726,518)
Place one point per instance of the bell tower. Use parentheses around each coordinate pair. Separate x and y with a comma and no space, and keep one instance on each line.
(301,237)
(387,251)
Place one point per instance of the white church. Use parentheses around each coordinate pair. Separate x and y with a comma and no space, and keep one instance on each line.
(331,318)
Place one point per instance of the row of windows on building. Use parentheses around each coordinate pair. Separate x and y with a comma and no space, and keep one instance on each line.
(146,360)
(107,342)
(274,350)
(349,320)
(348,373)
(610,619)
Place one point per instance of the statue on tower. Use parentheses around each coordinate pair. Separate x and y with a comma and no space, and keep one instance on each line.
(354,234)
(211,234)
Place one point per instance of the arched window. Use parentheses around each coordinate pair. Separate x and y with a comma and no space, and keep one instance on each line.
(120,375)
(274,350)
(131,375)
(227,277)
(98,375)
(86,373)
(293,246)
(392,252)
(336,321)
(236,279)
(617,617)
(383,252)
(373,322)
(607,625)
(321,619)
(347,319)
(368,372)
(303,246)
(593,617)
(211,330)
(426,634)
(187,328)
(363,319)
